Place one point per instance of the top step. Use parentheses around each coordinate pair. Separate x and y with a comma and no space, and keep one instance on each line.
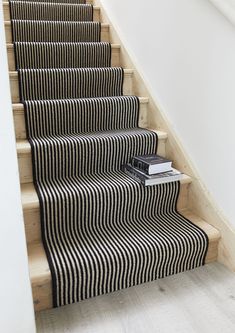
(58,26)
(59,1)
(57,13)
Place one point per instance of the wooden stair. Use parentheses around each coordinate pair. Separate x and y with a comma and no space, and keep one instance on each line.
(11,56)
(19,121)
(14,83)
(31,211)
(25,159)
(104,32)
(6,12)
(41,276)
(38,265)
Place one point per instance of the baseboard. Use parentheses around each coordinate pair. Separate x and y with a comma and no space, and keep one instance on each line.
(201,202)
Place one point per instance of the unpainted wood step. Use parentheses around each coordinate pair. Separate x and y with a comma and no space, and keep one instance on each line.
(14,84)
(115,58)
(30,203)
(7,17)
(104,32)
(41,276)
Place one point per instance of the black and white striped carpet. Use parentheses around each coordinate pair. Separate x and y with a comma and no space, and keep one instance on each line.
(62,55)
(50,11)
(102,231)
(55,31)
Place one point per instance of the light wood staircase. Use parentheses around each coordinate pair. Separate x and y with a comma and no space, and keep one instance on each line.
(39,269)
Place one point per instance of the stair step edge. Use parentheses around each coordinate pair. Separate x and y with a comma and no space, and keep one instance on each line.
(103,25)
(14,74)
(38,264)
(19,107)
(23,145)
(6,3)
(113,46)
(214,233)
(30,200)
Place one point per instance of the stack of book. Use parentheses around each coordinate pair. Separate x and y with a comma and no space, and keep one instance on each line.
(152,170)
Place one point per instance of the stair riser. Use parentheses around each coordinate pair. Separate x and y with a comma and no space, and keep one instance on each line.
(42,293)
(42,288)
(25,163)
(11,57)
(7,17)
(19,120)
(42,296)
(32,216)
(14,84)
(104,32)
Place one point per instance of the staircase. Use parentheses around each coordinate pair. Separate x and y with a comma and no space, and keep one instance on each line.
(40,274)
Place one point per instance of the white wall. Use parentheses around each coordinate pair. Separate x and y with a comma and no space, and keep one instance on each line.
(185,50)
(227,7)
(16,308)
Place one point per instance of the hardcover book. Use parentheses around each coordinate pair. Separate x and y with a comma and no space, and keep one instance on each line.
(152,164)
(148,180)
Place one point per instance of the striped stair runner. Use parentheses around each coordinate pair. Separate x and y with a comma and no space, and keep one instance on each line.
(50,11)
(62,55)
(55,31)
(102,231)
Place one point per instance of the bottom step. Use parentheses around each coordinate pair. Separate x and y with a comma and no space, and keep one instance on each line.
(41,276)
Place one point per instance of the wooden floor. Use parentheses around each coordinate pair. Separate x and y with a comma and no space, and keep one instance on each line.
(201,301)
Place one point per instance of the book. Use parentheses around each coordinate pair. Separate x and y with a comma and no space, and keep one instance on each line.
(152,164)
(150,180)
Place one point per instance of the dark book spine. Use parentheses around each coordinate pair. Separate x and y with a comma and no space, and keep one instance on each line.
(130,172)
(141,165)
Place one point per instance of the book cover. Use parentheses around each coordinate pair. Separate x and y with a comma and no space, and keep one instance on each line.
(151,159)
(152,164)
(147,180)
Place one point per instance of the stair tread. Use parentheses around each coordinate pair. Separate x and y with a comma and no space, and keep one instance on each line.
(6,3)
(88,2)
(51,11)
(38,264)
(11,46)
(116,82)
(30,200)
(20,106)
(79,58)
(211,231)
(23,145)
(103,25)
(14,74)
